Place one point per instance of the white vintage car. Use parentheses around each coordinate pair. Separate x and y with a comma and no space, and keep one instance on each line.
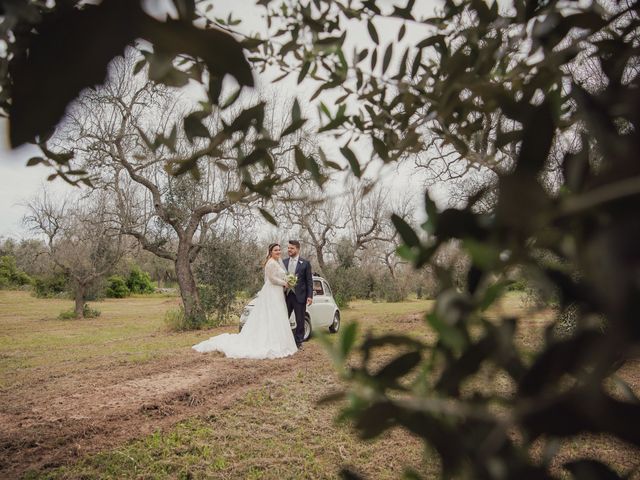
(322,313)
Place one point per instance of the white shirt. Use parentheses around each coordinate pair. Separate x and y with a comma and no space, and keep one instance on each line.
(293,263)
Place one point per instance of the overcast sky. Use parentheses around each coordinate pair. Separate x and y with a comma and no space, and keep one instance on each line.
(20,183)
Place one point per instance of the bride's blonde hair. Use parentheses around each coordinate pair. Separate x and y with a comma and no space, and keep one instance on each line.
(271,247)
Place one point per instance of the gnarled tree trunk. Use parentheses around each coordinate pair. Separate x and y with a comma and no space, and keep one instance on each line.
(79,296)
(320,256)
(187,283)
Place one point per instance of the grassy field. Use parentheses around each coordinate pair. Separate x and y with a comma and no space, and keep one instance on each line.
(268,427)
(130,330)
(34,339)
(119,396)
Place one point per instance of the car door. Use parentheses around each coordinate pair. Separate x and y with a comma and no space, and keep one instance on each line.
(323,307)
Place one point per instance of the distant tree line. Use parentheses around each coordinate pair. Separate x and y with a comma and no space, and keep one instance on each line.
(79,248)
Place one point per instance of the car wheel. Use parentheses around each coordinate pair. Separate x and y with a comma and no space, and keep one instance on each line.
(307,329)
(335,326)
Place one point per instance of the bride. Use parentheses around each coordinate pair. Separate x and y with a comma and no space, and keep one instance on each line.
(266,333)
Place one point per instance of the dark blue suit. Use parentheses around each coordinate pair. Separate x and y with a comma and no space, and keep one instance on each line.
(297,299)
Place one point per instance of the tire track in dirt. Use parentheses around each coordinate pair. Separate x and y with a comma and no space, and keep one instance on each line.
(55,422)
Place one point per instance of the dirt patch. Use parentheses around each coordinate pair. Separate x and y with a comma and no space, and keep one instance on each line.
(56,420)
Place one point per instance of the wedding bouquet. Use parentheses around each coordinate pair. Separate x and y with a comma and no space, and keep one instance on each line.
(292,280)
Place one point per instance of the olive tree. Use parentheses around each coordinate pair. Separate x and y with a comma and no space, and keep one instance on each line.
(81,237)
(56,52)
(109,128)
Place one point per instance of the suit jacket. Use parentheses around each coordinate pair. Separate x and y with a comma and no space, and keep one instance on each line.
(304,287)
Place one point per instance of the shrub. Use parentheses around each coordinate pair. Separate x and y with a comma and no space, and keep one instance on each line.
(357,282)
(139,281)
(389,289)
(176,321)
(219,303)
(394,293)
(341,301)
(87,312)
(117,287)
(10,275)
(222,271)
(50,286)
(67,315)
(517,286)
(349,283)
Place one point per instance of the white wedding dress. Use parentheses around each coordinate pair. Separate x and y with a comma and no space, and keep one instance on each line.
(266,333)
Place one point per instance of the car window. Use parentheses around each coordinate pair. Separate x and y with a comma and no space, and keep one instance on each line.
(327,288)
(317,288)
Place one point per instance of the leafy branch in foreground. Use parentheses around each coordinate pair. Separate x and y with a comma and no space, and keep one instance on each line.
(579,240)
(54,52)
(58,50)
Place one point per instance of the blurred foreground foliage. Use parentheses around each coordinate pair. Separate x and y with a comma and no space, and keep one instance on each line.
(578,237)
(54,50)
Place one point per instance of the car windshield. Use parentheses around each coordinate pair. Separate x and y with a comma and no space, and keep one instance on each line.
(317,288)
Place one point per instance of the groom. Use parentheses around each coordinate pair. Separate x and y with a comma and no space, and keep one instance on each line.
(301,295)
